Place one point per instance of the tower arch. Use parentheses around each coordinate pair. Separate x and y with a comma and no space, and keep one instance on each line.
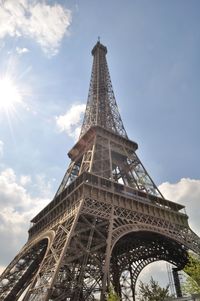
(18,275)
(134,250)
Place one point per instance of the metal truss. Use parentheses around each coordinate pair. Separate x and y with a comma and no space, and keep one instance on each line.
(107,221)
(101,107)
(135,251)
(103,147)
(18,274)
(98,243)
(109,156)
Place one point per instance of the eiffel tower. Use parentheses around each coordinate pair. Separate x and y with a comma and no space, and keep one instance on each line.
(108,219)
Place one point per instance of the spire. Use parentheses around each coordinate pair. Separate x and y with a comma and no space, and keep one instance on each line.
(101,106)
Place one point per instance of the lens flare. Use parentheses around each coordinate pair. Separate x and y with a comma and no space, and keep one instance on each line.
(10,95)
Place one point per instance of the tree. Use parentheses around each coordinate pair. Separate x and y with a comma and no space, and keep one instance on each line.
(192,282)
(152,291)
(112,296)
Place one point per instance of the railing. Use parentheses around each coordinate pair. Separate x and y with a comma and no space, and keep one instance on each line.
(131,192)
(102,183)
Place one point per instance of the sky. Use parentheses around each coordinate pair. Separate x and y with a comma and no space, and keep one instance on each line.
(45,67)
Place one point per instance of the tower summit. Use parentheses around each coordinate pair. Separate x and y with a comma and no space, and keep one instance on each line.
(101,106)
(107,221)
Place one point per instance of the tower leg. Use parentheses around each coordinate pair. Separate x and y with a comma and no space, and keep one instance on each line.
(21,270)
(177,282)
(42,285)
(79,290)
(116,278)
(132,283)
(106,269)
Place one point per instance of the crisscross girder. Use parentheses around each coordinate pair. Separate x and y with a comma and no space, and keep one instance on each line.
(101,106)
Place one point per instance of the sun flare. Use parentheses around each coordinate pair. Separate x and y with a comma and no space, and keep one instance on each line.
(9,94)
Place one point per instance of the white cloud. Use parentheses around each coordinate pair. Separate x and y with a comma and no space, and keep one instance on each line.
(17,208)
(70,122)
(185,192)
(22,50)
(12,193)
(46,24)
(25,180)
(1,148)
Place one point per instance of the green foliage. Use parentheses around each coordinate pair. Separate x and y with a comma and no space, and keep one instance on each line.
(152,291)
(192,282)
(112,296)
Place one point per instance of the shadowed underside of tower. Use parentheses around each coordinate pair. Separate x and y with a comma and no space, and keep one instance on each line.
(107,221)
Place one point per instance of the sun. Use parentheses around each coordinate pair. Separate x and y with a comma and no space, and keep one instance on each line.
(10,95)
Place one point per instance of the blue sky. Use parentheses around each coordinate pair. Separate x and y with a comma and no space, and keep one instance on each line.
(153,57)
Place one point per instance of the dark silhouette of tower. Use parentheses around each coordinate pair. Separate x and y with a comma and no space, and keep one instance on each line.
(107,221)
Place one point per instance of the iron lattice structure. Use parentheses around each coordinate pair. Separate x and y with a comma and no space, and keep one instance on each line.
(107,221)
